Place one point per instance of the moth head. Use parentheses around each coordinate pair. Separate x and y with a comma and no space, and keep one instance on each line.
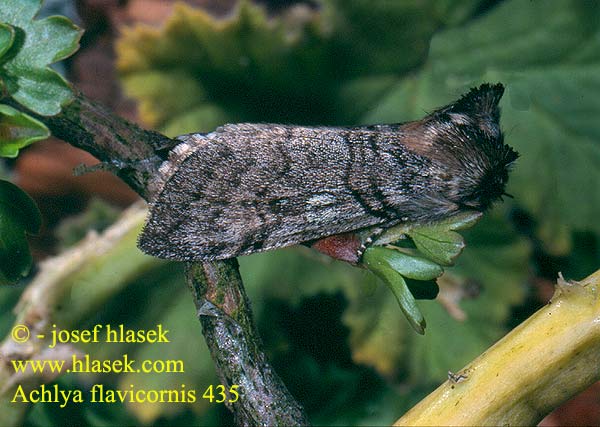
(466,139)
(488,180)
(474,121)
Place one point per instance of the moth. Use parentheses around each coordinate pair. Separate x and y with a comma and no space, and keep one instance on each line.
(248,188)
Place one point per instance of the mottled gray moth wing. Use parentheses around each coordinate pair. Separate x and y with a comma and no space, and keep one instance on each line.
(247,188)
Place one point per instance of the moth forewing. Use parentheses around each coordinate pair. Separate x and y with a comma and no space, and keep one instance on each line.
(247,188)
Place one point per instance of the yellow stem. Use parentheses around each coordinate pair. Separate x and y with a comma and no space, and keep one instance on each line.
(549,358)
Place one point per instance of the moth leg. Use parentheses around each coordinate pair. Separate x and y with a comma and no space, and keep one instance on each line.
(374,234)
(113,166)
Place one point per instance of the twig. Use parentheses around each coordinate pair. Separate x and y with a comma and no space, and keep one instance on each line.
(226,317)
(134,153)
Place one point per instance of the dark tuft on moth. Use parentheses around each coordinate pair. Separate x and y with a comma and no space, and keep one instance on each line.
(247,188)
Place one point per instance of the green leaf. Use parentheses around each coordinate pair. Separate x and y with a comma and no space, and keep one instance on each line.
(18,130)
(437,241)
(418,273)
(37,44)
(22,207)
(41,90)
(413,267)
(18,216)
(385,264)
(7,36)
(437,244)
